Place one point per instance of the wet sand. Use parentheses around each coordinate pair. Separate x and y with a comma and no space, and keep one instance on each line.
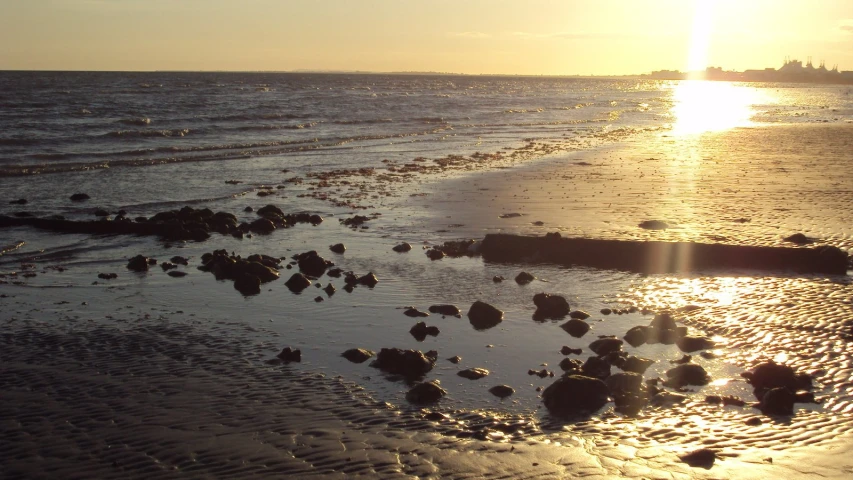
(161,393)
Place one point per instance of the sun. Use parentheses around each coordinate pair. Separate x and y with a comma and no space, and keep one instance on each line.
(700,36)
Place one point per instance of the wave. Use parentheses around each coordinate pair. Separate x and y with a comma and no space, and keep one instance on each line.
(149,133)
(142,121)
(300,126)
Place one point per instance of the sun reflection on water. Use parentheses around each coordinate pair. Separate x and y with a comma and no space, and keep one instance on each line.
(701,106)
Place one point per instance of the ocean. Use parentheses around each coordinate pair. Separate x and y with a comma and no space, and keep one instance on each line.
(427,159)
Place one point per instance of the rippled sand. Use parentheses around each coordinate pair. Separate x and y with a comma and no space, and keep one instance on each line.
(158,377)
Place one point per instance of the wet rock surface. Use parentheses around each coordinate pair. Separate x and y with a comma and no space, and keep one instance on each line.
(449,310)
(358,355)
(409,363)
(550,306)
(576,328)
(484,316)
(420,331)
(687,374)
(574,395)
(473,373)
(426,393)
(502,391)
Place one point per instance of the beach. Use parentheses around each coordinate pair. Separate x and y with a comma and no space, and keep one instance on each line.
(159,376)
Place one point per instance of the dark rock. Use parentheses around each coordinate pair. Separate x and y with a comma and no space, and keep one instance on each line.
(753,421)
(684,359)
(603,346)
(262,226)
(625,383)
(579,314)
(687,374)
(420,331)
(20,201)
(566,350)
(318,299)
(426,392)
(778,401)
(179,260)
(368,280)
(636,364)
(269,211)
(575,394)
(166,266)
(338,248)
(315,219)
(498,278)
(799,239)
(769,375)
(667,399)
(288,355)
(402,248)
(450,310)
(693,343)
(455,359)
(571,365)
(329,289)
(414,312)
(248,209)
(501,391)
(409,363)
(357,355)
(550,306)
(335,272)
(107,276)
(23,214)
(524,278)
(653,225)
(606,311)
(596,367)
(247,284)
(637,336)
(484,316)
(138,264)
(473,373)
(101,213)
(79,197)
(311,263)
(297,283)
(177,274)
(663,321)
(703,458)
(434,254)
(576,328)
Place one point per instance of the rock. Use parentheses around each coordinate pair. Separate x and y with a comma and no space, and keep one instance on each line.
(550,306)
(409,363)
(166,266)
(653,225)
(269,211)
(524,278)
(769,375)
(107,276)
(368,280)
(455,359)
(414,312)
(262,226)
(693,343)
(426,392)
(663,321)
(579,314)
(177,274)
(799,239)
(179,260)
(606,311)
(603,346)
(596,367)
(329,289)
(753,421)
(247,284)
(20,201)
(450,310)
(687,374)
(575,394)
(498,278)
(311,263)
(703,458)
(684,359)
(434,254)
(288,355)
(402,248)
(79,197)
(667,399)
(248,209)
(622,383)
(566,350)
(138,264)
(338,248)
(484,316)
(357,355)
(297,283)
(636,364)
(501,391)
(335,272)
(576,328)
(571,365)
(318,299)
(101,213)
(473,373)
(420,331)
(315,219)
(778,401)
(637,336)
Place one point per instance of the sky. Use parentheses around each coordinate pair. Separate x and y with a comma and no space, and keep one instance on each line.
(524,37)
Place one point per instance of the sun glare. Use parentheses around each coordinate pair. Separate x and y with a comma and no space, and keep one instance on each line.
(701,106)
(700,36)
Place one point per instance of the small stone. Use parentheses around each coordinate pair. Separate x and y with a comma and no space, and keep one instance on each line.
(498,278)
(338,248)
(288,355)
(297,283)
(357,355)
(402,248)
(576,328)
(524,278)
(426,392)
(778,401)
(703,458)
(566,350)
(318,299)
(687,374)
(606,311)
(79,197)
(484,316)
(473,373)
(501,391)
(414,312)
(138,263)
(450,310)
(455,359)
(177,274)
(368,280)
(693,343)
(603,346)
(579,314)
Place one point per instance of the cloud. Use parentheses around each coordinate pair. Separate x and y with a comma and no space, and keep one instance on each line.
(469,34)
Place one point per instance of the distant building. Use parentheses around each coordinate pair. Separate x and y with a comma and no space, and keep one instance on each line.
(791,71)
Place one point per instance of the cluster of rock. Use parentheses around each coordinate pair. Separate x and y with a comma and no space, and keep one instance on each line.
(248,274)
(778,387)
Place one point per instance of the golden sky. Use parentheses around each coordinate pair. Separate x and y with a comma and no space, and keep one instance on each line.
(601,37)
